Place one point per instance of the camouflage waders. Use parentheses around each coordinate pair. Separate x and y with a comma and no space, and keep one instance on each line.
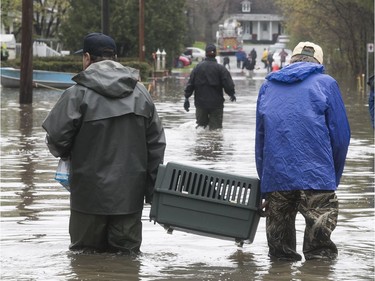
(320,210)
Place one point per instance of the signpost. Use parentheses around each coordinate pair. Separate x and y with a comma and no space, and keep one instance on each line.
(370,49)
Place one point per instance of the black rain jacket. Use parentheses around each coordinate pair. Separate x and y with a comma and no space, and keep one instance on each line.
(207,81)
(108,125)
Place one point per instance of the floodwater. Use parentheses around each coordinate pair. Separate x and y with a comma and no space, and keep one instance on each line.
(35,208)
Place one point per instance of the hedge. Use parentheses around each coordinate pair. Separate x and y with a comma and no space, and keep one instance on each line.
(73,64)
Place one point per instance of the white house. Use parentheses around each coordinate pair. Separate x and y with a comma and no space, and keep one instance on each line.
(258,25)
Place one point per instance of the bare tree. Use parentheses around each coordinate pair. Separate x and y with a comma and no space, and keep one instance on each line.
(341,27)
(48,15)
(206,16)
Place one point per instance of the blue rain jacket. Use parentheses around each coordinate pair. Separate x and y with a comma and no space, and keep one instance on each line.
(302,131)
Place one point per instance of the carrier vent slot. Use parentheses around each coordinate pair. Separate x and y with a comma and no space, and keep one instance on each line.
(198,184)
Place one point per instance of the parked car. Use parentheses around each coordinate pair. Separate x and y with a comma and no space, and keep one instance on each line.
(277,46)
(276,56)
(182,61)
(196,54)
(283,38)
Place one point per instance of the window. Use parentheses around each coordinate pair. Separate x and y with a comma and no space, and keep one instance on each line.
(265,26)
(246,6)
(248,27)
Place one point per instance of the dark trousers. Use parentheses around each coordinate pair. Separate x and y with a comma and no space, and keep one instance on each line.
(213,118)
(320,210)
(239,62)
(105,233)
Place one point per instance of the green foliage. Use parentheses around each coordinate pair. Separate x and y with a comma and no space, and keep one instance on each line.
(164,24)
(83,17)
(199,44)
(47,17)
(73,64)
(341,27)
(10,13)
(124,24)
(144,68)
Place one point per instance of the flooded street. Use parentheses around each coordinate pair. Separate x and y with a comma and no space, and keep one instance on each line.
(35,208)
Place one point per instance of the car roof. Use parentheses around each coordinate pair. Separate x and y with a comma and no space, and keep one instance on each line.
(195,48)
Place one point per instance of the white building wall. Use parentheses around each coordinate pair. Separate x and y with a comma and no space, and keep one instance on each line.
(264,26)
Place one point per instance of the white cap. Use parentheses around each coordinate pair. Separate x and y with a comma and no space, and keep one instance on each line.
(317,53)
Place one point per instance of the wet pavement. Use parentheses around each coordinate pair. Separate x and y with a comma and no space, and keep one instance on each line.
(35,209)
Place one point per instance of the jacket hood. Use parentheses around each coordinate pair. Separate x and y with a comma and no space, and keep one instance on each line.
(294,72)
(108,78)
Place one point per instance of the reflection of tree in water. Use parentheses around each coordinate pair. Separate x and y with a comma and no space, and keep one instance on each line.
(164,89)
(209,145)
(27,167)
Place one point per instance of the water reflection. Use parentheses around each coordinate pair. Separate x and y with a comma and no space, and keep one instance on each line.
(208,145)
(27,163)
(120,267)
(35,209)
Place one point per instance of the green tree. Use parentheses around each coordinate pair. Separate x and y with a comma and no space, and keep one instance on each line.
(165,25)
(83,16)
(341,27)
(11,16)
(47,17)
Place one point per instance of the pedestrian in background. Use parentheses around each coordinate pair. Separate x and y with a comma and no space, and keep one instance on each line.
(302,138)
(269,61)
(253,55)
(4,52)
(207,81)
(108,126)
(283,54)
(241,57)
(249,65)
(226,62)
(371,99)
(264,57)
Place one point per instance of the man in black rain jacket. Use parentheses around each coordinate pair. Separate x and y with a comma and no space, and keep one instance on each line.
(207,81)
(108,126)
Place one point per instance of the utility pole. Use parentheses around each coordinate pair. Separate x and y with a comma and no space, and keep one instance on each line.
(105,17)
(141,30)
(26,81)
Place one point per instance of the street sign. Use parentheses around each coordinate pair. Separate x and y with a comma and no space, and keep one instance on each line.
(370,47)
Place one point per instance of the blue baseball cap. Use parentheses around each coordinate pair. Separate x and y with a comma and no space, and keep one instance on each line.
(98,44)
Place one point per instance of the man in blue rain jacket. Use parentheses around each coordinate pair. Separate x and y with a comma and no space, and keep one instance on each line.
(302,138)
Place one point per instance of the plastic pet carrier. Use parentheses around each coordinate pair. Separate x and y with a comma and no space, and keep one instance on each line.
(206,202)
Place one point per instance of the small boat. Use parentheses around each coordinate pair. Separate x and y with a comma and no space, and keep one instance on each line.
(10,78)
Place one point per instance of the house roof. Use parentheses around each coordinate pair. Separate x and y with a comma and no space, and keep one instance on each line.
(257,7)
